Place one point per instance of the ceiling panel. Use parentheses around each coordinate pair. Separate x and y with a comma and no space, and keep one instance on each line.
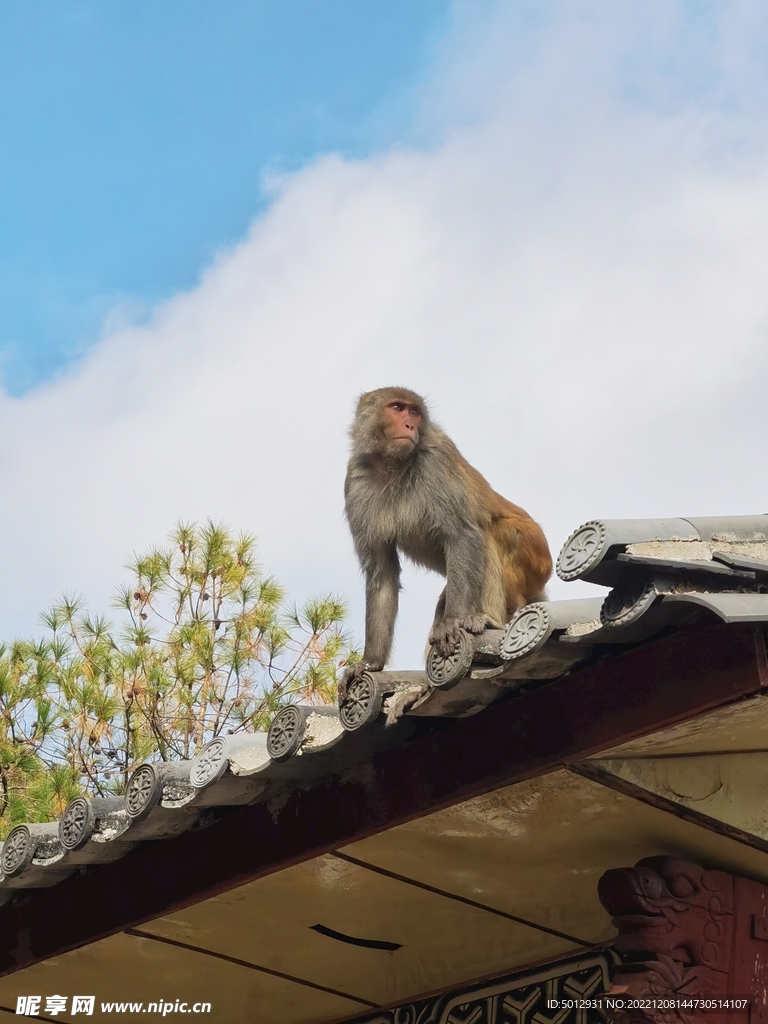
(729,788)
(739,726)
(538,848)
(128,968)
(443,942)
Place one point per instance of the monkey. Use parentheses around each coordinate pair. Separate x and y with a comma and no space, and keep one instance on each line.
(409,491)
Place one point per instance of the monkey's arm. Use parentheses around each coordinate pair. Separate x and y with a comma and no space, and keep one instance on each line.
(382,589)
(465,568)
(465,572)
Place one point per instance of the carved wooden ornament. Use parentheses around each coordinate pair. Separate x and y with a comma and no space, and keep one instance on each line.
(687,931)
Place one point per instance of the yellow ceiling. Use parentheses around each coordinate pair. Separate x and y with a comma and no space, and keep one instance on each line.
(269,922)
(128,968)
(739,726)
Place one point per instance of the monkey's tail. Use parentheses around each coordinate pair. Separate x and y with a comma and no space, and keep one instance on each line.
(403,700)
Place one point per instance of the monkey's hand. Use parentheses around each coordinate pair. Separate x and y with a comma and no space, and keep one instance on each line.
(355,672)
(445,635)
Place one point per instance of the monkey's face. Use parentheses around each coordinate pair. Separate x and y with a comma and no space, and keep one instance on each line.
(390,423)
(401,422)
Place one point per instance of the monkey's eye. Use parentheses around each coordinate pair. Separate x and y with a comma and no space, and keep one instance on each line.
(397,406)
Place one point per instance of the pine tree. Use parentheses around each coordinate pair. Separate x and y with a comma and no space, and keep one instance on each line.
(206,645)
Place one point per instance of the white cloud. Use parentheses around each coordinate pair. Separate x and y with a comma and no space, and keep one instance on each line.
(572,268)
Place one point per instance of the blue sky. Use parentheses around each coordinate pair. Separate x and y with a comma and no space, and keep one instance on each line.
(135,135)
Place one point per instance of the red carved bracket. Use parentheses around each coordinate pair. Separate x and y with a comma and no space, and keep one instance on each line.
(687,930)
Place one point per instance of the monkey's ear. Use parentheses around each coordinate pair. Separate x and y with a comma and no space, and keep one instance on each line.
(364,401)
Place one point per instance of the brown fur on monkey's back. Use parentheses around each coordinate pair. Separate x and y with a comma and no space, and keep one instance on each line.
(522,548)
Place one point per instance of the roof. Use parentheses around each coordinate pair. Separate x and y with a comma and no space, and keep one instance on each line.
(577,704)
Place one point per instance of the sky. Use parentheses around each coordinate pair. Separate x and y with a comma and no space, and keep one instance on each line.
(136,137)
(549,218)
